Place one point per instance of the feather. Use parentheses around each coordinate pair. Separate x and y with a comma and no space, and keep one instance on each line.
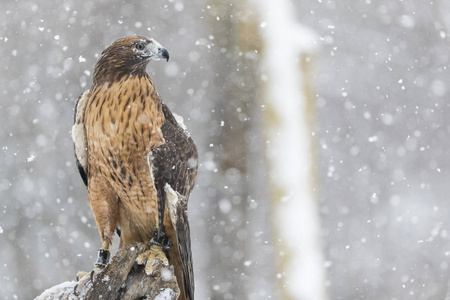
(79,136)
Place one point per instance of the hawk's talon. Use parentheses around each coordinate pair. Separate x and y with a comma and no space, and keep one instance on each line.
(84,278)
(150,270)
(91,276)
(75,289)
(151,259)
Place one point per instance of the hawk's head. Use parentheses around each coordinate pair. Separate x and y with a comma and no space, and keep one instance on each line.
(127,56)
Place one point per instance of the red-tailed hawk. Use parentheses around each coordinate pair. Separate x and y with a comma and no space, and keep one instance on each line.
(137,161)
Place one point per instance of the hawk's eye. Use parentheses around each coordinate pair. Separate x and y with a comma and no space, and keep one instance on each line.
(140,46)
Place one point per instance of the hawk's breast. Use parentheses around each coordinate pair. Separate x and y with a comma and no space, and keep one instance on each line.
(124,118)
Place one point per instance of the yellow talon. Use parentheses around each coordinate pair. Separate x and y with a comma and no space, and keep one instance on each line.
(82,274)
(152,257)
(82,280)
(85,277)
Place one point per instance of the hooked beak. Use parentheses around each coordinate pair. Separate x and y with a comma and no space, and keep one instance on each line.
(164,54)
(155,51)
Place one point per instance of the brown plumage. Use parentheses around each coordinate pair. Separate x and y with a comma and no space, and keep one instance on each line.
(132,154)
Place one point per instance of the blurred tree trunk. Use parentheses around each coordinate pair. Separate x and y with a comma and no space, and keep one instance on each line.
(231,232)
(288,116)
(249,38)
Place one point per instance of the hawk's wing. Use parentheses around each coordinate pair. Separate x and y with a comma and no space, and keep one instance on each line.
(175,164)
(79,136)
(177,205)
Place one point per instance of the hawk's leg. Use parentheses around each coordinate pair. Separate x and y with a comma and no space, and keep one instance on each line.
(84,277)
(105,206)
(156,254)
(103,258)
(160,239)
(104,203)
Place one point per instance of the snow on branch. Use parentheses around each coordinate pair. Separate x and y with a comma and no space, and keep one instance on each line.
(120,279)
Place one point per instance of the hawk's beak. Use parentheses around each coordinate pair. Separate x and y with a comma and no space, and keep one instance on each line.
(163,53)
(155,51)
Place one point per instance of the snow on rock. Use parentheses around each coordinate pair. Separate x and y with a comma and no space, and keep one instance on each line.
(166,274)
(165,294)
(60,291)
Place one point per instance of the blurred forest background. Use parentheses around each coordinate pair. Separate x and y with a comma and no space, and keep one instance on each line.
(381,124)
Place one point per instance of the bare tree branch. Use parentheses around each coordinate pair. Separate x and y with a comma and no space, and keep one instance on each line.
(120,279)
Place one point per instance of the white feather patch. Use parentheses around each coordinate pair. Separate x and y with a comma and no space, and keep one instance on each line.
(79,132)
(172,201)
(179,120)
(172,196)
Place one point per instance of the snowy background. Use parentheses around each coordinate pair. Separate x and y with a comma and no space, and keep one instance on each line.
(379,74)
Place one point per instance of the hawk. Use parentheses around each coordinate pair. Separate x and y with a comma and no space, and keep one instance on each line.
(138,162)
